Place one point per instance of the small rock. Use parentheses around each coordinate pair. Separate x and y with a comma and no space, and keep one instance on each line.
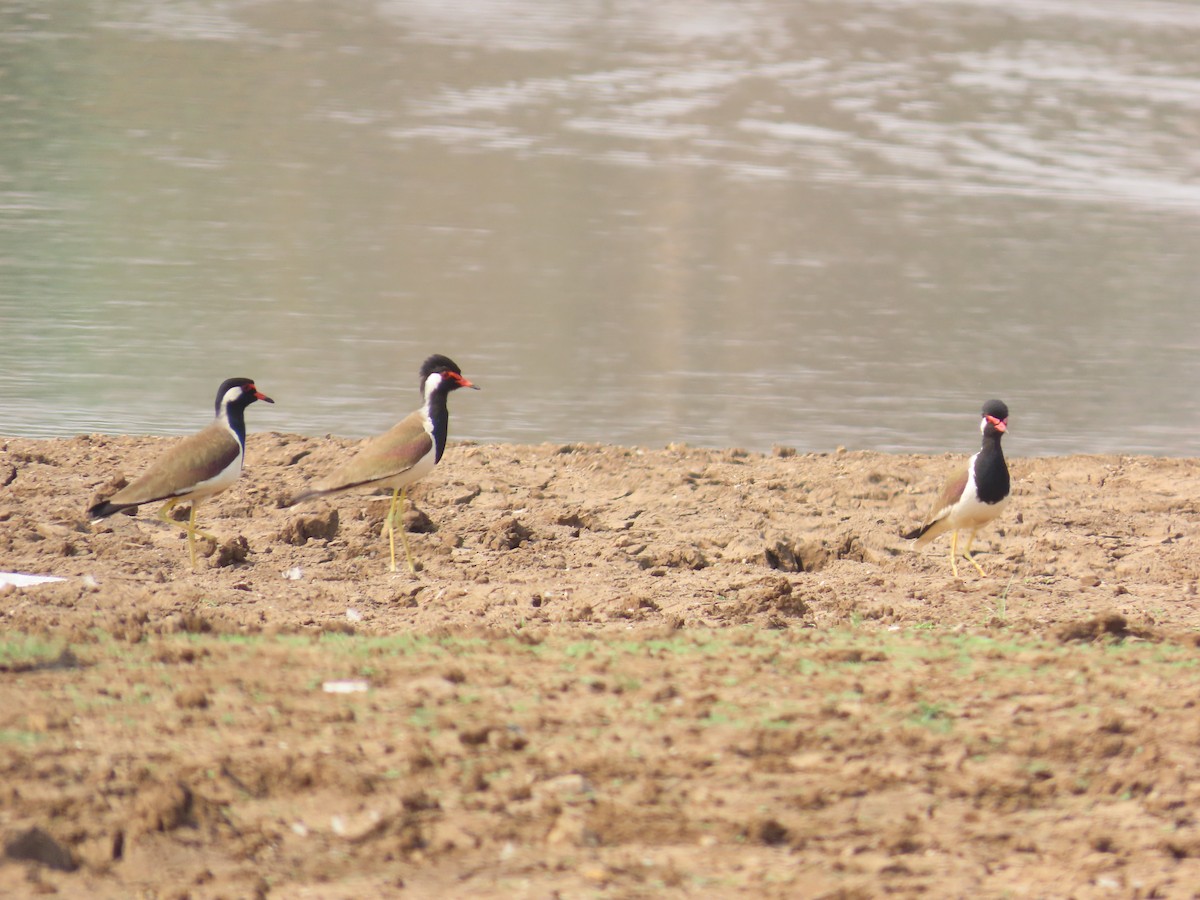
(782,556)
(233,552)
(507,534)
(35,845)
(323,526)
(359,826)
(772,594)
(683,556)
(416,522)
(165,808)
(769,832)
(192,698)
(577,518)
(1111,624)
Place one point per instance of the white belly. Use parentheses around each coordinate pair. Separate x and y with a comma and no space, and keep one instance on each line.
(970,511)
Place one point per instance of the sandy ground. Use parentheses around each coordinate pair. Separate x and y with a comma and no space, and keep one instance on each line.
(619,672)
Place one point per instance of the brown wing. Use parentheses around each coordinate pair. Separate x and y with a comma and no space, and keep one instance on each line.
(390,455)
(193,460)
(951,492)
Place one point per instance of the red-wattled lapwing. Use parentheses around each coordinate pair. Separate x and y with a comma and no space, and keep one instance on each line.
(197,467)
(406,453)
(975,494)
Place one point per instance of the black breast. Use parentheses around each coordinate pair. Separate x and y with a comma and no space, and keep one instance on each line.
(991,472)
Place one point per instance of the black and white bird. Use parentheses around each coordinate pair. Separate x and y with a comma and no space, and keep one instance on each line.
(402,455)
(197,467)
(975,494)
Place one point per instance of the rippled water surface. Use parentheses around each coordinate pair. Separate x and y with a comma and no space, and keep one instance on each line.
(725,223)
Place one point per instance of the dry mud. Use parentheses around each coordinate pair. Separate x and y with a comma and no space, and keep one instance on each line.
(619,672)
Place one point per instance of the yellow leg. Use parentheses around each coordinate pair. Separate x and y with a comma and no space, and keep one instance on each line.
(191,532)
(390,524)
(954,553)
(970,558)
(403,532)
(165,513)
(189,526)
(391,528)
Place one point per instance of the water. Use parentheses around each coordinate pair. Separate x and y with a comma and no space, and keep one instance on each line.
(729,224)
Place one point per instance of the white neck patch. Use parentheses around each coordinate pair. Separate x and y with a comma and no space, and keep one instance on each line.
(223,413)
(230,395)
(431,385)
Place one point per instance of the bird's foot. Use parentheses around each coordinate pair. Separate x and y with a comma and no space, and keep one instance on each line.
(978,567)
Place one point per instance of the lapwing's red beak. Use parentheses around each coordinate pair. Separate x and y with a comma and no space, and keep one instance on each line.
(998,424)
(259,395)
(462,382)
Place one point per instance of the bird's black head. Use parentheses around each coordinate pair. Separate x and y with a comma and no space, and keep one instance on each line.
(449,376)
(238,393)
(995,417)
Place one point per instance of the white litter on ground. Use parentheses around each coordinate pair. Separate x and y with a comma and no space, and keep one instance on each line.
(19,580)
(344,687)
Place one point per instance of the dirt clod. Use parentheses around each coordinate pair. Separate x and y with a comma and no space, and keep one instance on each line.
(35,845)
(506,534)
(301,529)
(232,552)
(1111,625)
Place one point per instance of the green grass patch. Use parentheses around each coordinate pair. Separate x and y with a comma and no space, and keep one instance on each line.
(934,716)
(14,736)
(21,652)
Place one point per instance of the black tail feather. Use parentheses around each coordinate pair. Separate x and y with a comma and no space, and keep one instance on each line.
(305,496)
(104,509)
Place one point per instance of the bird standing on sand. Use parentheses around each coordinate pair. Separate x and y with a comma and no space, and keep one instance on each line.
(197,467)
(402,455)
(975,494)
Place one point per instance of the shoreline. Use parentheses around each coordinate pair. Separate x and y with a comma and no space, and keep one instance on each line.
(601,521)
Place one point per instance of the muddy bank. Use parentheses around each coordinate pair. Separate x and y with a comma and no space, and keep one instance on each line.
(625,670)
